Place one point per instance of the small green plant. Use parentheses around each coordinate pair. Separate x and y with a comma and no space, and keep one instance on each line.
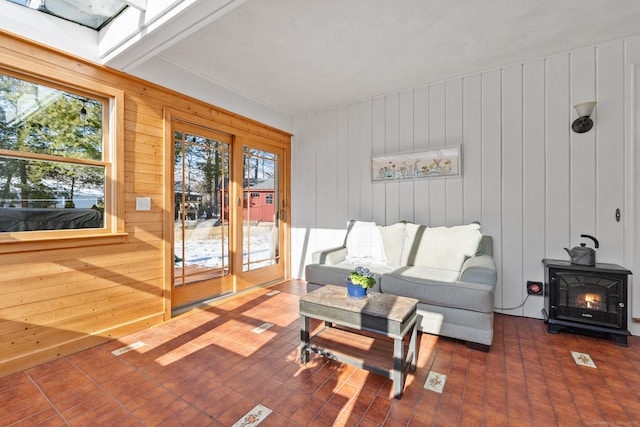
(363,277)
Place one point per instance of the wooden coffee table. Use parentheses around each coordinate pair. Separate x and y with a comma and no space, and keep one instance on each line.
(366,319)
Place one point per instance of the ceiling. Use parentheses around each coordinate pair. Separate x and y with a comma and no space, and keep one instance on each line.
(303,55)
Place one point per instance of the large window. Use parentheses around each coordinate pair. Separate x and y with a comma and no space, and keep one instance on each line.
(53,166)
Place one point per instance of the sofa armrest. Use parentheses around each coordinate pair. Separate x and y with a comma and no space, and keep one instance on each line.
(479,269)
(330,256)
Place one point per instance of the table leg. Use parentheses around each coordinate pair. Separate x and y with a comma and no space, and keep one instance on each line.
(413,347)
(304,339)
(398,367)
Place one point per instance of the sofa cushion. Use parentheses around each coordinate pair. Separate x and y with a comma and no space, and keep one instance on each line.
(438,287)
(444,248)
(393,241)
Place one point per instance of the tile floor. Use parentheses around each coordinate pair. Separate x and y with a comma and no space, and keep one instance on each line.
(236,364)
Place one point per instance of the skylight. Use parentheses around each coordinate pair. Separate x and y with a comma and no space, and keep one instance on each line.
(94,14)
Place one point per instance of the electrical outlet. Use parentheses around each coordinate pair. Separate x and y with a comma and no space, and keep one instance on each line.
(534,288)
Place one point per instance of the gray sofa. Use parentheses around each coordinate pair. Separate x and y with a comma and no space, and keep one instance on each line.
(450,270)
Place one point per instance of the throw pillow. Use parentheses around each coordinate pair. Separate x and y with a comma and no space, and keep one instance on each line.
(392,241)
(364,244)
(445,248)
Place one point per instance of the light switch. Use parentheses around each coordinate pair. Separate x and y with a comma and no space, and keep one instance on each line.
(143,203)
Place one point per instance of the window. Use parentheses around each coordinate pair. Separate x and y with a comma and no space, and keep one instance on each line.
(54,158)
(269,198)
(94,15)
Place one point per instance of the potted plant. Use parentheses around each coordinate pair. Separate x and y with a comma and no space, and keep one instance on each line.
(359,281)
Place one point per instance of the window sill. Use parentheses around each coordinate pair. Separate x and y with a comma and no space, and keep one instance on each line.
(66,242)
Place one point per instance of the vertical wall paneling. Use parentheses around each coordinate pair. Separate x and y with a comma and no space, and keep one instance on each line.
(558,165)
(533,182)
(330,168)
(534,185)
(392,146)
(437,138)
(632,178)
(453,132)
(342,172)
(303,166)
(472,149)
(366,138)
(609,129)
(355,161)
(491,166)
(421,141)
(405,143)
(325,175)
(634,198)
(378,138)
(512,194)
(583,148)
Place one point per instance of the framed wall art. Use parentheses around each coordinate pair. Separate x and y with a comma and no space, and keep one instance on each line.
(437,162)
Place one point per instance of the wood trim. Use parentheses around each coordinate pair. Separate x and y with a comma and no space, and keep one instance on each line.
(236,194)
(116,123)
(167,217)
(42,244)
(212,118)
(113,160)
(51,158)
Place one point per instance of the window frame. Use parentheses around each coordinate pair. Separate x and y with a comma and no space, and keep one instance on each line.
(113,162)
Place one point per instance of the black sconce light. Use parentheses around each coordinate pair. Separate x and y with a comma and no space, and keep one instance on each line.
(83,113)
(583,123)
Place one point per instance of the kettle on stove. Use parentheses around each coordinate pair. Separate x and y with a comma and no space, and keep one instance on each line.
(581,254)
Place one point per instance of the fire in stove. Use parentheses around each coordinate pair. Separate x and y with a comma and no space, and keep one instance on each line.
(590,301)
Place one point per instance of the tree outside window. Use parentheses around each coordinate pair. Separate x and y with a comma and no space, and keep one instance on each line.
(52,167)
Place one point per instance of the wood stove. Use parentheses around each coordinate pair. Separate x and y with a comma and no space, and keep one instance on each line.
(590,299)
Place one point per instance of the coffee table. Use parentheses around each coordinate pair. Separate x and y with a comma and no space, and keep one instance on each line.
(378,314)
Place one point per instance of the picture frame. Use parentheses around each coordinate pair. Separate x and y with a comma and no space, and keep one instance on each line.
(437,162)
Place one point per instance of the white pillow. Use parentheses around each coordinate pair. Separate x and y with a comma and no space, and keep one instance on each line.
(392,241)
(364,244)
(445,248)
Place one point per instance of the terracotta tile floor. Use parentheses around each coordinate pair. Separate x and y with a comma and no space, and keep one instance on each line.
(209,368)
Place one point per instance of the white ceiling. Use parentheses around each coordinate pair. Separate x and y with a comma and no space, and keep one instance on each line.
(302,55)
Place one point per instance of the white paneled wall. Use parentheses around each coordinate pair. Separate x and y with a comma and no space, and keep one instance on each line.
(534,185)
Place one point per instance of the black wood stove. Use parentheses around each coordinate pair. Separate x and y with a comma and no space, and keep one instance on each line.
(589,299)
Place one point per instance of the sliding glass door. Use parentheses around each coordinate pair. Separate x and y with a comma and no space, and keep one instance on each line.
(201,237)
(262,216)
(228,214)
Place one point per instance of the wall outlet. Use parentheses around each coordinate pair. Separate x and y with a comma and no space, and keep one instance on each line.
(534,288)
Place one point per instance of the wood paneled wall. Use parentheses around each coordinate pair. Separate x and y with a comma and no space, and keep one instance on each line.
(534,185)
(56,302)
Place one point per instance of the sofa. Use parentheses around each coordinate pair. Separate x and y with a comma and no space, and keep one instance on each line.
(449,270)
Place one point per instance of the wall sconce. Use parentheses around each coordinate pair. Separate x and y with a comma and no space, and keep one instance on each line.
(83,113)
(583,123)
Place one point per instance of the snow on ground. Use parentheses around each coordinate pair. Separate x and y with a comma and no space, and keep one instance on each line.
(204,244)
